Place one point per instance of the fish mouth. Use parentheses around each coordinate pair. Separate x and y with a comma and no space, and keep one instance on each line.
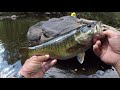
(98,31)
(97,27)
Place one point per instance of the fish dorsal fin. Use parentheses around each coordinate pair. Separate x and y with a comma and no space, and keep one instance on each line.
(80,57)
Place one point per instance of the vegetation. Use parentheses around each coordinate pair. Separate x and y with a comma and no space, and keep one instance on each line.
(109,18)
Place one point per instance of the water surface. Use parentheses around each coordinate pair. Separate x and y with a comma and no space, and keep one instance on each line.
(13,37)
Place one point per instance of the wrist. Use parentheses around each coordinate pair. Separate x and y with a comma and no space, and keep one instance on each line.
(22,74)
(29,74)
(19,76)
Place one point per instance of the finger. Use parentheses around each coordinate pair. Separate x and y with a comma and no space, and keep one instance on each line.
(98,37)
(40,58)
(94,40)
(98,43)
(49,61)
(96,50)
(49,64)
(110,33)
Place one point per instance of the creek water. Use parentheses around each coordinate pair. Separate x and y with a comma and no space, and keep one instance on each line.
(13,37)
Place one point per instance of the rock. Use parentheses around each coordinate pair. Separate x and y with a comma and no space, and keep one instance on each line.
(51,28)
(110,73)
(13,17)
(55,26)
(62,73)
(35,32)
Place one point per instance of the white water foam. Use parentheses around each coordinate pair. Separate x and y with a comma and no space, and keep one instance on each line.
(7,71)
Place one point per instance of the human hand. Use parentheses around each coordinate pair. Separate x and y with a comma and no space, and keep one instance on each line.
(108,50)
(36,66)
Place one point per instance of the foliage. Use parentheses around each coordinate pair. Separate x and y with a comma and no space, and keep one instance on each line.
(109,18)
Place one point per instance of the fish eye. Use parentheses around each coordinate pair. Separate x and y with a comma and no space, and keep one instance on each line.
(89,25)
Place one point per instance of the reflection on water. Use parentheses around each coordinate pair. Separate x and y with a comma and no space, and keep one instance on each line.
(12,38)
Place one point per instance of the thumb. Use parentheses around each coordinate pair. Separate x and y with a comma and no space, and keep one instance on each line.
(110,33)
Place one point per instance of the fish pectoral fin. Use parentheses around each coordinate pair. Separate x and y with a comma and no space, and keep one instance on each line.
(80,57)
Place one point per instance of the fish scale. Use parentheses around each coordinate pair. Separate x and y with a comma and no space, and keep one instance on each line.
(71,44)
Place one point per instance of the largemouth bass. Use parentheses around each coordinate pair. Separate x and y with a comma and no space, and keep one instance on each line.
(70,44)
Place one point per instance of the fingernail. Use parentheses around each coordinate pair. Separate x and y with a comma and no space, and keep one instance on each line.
(47,56)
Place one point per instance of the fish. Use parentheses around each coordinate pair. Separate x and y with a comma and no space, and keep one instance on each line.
(68,45)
